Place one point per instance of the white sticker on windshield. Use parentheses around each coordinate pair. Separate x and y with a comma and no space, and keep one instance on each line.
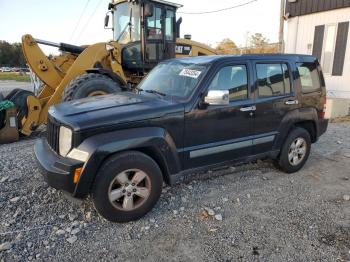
(190,73)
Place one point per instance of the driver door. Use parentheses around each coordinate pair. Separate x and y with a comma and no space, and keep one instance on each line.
(221,133)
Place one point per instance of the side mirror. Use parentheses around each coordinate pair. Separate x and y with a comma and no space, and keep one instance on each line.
(148,10)
(217,97)
(106,20)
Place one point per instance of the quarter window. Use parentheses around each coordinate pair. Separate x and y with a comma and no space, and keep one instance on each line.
(234,79)
(273,80)
(309,77)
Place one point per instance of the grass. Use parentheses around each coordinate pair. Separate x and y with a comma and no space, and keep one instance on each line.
(21,77)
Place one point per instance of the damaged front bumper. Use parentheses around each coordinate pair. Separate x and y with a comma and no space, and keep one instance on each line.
(57,171)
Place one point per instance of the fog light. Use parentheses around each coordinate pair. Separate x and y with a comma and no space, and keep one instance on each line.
(78,155)
(77,174)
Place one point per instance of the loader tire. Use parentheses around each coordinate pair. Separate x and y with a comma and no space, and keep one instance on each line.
(90,84)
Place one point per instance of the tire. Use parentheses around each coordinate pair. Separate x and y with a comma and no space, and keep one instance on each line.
(114,180)
(293,149)
(90,84)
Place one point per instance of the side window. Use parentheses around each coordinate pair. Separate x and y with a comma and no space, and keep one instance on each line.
(169,25)
(234,79)
(154,25)
(286,79)
(309,77)
(273,80)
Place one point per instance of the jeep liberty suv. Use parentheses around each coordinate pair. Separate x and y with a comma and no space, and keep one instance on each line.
(188,115)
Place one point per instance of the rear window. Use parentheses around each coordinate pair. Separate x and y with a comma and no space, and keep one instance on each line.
(309,77)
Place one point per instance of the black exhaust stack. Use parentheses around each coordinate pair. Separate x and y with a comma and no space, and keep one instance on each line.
(178,24)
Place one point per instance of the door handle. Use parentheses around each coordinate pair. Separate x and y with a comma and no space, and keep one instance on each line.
(292,102)
(248,108)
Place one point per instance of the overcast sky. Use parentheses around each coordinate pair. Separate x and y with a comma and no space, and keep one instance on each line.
(56,20)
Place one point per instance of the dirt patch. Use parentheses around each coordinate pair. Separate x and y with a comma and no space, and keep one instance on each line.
(343,119)
(338,237)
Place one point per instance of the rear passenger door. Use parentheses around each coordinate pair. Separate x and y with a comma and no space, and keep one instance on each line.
(274,98)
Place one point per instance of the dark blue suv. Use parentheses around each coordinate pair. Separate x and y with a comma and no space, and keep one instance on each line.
(187,115)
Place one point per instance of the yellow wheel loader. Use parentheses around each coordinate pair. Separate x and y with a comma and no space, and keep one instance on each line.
(145,32)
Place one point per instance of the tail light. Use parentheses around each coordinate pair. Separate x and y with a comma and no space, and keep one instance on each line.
(322,113)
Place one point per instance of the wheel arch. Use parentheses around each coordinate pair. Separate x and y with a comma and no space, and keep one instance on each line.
(156,155)
(115,77)
(310,127)
(152,141)
(304,117)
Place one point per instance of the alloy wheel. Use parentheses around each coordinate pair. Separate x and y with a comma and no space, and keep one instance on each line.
(297,151)
(129,189)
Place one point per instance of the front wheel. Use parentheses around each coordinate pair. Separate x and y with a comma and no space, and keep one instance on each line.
(127,187)
(90,84)
(295,151)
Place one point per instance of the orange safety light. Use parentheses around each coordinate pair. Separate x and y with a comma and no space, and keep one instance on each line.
(77,174)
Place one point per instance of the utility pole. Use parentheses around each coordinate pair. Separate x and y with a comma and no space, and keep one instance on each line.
(246,41)
(281,31)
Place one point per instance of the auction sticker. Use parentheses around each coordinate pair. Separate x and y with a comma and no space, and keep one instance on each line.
(190,73)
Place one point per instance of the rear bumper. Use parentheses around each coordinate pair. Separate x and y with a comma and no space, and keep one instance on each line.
(57,171)
(322,125)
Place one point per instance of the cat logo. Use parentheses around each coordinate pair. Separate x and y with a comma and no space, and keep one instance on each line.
(183,49)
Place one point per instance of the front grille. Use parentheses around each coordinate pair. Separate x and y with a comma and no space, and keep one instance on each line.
(53,133)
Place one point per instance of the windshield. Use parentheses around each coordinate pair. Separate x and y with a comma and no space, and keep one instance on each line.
(122,18)
(173,79)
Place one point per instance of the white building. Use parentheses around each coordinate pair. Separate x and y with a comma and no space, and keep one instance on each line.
(321,28)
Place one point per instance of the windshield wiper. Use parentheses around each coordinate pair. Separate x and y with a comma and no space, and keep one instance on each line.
(155,92)
(150,91)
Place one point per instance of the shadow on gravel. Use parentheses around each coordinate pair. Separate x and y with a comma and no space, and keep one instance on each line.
(239,171)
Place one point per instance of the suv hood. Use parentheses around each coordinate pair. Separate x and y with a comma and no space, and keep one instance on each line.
(113,109)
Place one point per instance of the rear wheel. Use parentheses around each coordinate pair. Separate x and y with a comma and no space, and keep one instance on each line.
(90,84)
(127,187)
(295,151)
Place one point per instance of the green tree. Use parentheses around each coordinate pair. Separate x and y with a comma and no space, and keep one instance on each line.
(258,44)
(258,40)
(11,54)
(227,46)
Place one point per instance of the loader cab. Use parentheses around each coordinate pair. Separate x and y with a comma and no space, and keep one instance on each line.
(146,31)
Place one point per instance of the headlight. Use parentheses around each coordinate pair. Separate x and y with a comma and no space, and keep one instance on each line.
(65,142)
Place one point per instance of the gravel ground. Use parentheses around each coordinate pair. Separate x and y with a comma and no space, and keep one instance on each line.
(248,213)
(6,86)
